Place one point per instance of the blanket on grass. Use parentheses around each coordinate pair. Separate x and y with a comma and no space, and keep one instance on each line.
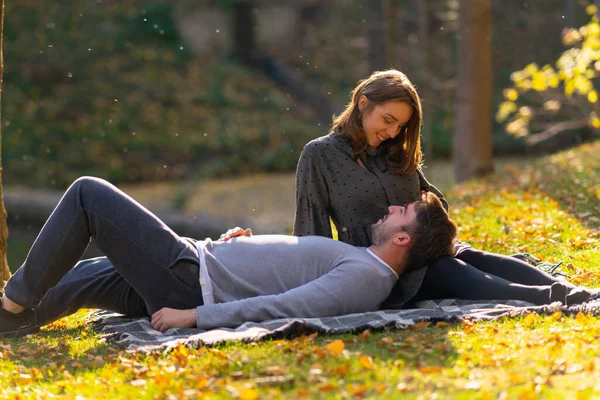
(138,335)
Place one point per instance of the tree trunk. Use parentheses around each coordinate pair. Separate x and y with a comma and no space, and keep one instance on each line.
(391,35)
(244,32)
(472,144)
(422,51)
(375,36)
(4,270)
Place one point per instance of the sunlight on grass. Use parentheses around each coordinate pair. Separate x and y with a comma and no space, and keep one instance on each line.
(549,209)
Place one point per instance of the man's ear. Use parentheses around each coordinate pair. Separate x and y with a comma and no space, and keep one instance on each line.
(362,102)
(402,238)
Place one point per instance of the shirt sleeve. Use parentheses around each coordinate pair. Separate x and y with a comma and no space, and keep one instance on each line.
(425,185)
(349,288)
(312,194)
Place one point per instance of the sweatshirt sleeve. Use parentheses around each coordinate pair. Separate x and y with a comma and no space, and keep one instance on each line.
(349,288)
(425,185)
(312,194)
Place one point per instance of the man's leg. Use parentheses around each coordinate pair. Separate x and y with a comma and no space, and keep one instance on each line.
(141,247)
(450,277)
(93,283)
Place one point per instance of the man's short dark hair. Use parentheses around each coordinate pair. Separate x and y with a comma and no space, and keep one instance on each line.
(433,234)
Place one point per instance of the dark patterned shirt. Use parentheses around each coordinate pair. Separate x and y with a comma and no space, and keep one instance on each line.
(330,183)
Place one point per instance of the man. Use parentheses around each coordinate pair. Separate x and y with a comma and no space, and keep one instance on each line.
(181,282)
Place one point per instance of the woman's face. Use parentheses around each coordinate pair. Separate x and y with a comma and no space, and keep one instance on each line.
(384,121)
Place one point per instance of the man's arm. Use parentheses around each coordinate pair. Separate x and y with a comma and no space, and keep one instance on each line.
(351,287)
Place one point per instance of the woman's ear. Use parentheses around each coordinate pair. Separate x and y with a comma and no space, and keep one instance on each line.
(362,102)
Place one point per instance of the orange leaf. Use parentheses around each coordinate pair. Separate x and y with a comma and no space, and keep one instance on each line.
(379,388)
(442,323)
(358,390)
(430,370)
(325,387)
(341,370)
(421,325)
(364,335)
(335,348)
(366,361)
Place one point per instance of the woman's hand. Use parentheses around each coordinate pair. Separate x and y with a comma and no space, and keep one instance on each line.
(235,232)
(166,318)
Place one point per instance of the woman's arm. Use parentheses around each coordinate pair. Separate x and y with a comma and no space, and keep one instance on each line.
(312,194)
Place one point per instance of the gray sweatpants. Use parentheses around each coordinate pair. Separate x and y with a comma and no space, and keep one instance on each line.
(147,265)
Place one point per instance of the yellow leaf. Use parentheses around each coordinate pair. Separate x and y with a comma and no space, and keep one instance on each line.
(335,348)
(553,81)
(530,319)
(366,361)
(592,96)
(596,122)
(248,394)
(557,316)
(591,9)
(511,94)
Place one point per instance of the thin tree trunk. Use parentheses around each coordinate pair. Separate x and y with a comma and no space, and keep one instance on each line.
(472,144)
(244,32)
(391,33)
(375,36)
(4,270)
(425,79)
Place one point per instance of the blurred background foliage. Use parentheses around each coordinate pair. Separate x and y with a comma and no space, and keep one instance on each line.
(114,89)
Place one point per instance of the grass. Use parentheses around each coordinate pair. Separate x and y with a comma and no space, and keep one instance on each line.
(550,208)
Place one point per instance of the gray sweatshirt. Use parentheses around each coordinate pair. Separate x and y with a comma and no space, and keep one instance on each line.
(276,276)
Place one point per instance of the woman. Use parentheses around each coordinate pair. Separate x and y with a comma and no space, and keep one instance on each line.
(371,160)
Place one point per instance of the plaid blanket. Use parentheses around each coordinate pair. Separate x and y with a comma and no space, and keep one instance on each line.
(138,335)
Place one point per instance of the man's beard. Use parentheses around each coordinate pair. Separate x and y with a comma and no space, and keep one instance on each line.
(379,234)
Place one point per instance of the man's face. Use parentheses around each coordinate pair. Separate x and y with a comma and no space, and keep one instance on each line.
(397,217)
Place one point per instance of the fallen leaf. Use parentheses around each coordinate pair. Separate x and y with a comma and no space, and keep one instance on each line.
(430,370)
(248,394)
(341,370)
(325,387)
(379,388)
(366,361)
(420,325)
(335,348)
(364,335)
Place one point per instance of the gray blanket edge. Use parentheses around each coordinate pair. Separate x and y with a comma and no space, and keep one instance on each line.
(137,334)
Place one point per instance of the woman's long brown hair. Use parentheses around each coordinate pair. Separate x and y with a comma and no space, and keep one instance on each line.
(404,151)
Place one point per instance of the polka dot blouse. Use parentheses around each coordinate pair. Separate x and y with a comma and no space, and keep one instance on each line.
(330,183)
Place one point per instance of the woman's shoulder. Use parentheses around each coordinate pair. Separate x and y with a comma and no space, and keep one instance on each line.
(328,142)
